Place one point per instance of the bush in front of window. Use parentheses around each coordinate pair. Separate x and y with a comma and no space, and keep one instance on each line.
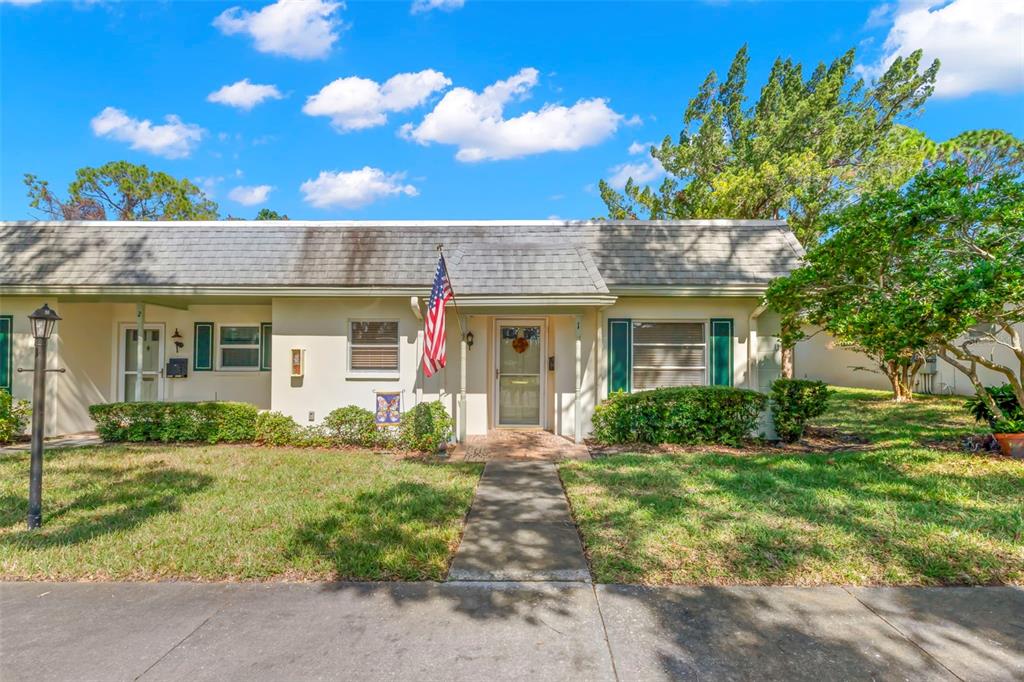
(209,422)
(14,416)
(426,427)
(687,415)
(794,402)
(352,425)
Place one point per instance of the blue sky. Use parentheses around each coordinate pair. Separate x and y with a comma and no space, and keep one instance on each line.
(574,86)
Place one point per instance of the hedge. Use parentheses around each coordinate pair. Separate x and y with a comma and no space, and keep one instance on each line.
(14,416)
(794,402)
(211,422)
(689,415)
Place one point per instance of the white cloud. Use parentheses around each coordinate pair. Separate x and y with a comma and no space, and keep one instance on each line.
(250,196)
(639,147)
(978,43)
(20,2)
(244,94)
(304,29)
(420,6)
(354,103)
(475,122)
(352,189)
(172,140)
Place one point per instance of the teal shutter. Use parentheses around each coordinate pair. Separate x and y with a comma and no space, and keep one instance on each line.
(202,358)
(721,352)
(266,334)
(620,355)
(6,350)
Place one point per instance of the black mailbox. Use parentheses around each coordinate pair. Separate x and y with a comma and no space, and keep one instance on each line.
(177,368)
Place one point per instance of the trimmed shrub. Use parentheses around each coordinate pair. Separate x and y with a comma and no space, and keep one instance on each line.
(275,428)
(687,415)
(352,425)
(211,422)
(425,427)
(1004,399)
(14,416)
(794,402)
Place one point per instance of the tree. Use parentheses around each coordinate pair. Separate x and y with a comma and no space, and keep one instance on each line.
(908,272)
(121,191)
(802,151)
(270,214)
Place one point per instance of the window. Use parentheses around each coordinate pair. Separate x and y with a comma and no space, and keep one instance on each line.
(239,347)
(668,354)
(373,346)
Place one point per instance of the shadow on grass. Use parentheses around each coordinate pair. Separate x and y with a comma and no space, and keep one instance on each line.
(771,519)
(405,530)
(105,499)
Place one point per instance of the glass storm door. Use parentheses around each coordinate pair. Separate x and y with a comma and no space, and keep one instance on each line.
(152,364)
(519,367)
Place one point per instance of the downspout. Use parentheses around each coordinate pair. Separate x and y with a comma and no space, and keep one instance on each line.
(414,303)
(752,379)
(577,414)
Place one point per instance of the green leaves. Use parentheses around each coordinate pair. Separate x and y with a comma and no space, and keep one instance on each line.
(122,191)
(804,149)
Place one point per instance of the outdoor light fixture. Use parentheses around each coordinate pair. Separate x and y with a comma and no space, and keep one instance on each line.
(469,340)
(43,322)
(178,343)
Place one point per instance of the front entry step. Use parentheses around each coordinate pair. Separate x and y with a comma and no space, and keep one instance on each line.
(520,529)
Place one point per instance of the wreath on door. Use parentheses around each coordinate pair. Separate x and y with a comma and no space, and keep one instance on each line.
(520,344)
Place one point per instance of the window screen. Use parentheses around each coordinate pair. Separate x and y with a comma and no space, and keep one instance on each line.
(668,354)
(373,345)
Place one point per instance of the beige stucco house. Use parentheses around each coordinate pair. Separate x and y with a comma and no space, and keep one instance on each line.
(304,317)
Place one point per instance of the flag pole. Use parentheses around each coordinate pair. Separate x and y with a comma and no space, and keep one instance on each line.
(462,348)
(455,301)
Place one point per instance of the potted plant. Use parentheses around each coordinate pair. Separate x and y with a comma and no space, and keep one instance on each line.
(1009,433)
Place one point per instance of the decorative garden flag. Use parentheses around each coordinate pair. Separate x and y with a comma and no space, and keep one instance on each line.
(433,339)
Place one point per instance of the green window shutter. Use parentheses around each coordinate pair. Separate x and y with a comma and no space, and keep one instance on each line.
(202,359)
(6,350)
(620,355)
(721,352)
(266,334)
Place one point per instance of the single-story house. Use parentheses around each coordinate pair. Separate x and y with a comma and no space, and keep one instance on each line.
(306,316)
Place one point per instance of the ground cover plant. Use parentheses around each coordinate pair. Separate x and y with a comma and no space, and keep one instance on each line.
(907,508)
(232,512)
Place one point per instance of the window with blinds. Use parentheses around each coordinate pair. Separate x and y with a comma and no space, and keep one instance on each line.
(373,346)
(669,354)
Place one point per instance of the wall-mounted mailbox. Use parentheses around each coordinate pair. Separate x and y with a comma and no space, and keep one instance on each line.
(298,362)
(551,363)
(177,368)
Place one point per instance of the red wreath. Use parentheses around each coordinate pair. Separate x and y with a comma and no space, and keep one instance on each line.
(520,344)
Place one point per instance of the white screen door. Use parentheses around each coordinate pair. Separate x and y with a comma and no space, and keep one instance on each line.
(152,363)
(519,365)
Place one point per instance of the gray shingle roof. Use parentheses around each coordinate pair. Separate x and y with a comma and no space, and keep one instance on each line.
(535,257)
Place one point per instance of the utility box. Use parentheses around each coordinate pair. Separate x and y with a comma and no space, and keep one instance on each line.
(177,368)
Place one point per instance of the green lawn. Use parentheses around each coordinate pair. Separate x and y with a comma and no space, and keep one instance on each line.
(233,513)
(908,509)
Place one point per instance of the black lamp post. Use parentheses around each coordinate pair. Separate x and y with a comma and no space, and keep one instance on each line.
(43,322)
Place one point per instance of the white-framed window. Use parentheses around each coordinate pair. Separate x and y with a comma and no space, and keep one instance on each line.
(239,346)
(373,346)
(669,353)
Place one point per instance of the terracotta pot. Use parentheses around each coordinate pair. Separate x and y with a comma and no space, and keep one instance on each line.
(1012,444)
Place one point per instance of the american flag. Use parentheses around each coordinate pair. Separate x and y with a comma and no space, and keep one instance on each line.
(433,342)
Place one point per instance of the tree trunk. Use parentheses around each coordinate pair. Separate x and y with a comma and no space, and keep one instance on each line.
(972,373)
(901,378)
(787,362)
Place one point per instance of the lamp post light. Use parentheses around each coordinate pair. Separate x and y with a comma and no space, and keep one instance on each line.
(43,322)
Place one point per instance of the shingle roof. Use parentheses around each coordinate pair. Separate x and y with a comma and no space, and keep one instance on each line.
(537,257)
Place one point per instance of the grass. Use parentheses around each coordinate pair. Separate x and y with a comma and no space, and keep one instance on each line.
(908,509)
(233,513)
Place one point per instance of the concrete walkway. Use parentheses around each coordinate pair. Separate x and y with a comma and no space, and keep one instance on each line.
(519,528)
(505,631)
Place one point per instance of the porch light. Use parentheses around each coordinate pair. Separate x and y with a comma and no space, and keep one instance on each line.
(469,340)
(43,321)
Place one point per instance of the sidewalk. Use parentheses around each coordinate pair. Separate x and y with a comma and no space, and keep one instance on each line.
(505,631)
(520,528)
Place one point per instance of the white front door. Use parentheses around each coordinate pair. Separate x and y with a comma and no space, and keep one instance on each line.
(152,363)
(519,373)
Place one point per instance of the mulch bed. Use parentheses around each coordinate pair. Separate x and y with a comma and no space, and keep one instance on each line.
(815,441)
